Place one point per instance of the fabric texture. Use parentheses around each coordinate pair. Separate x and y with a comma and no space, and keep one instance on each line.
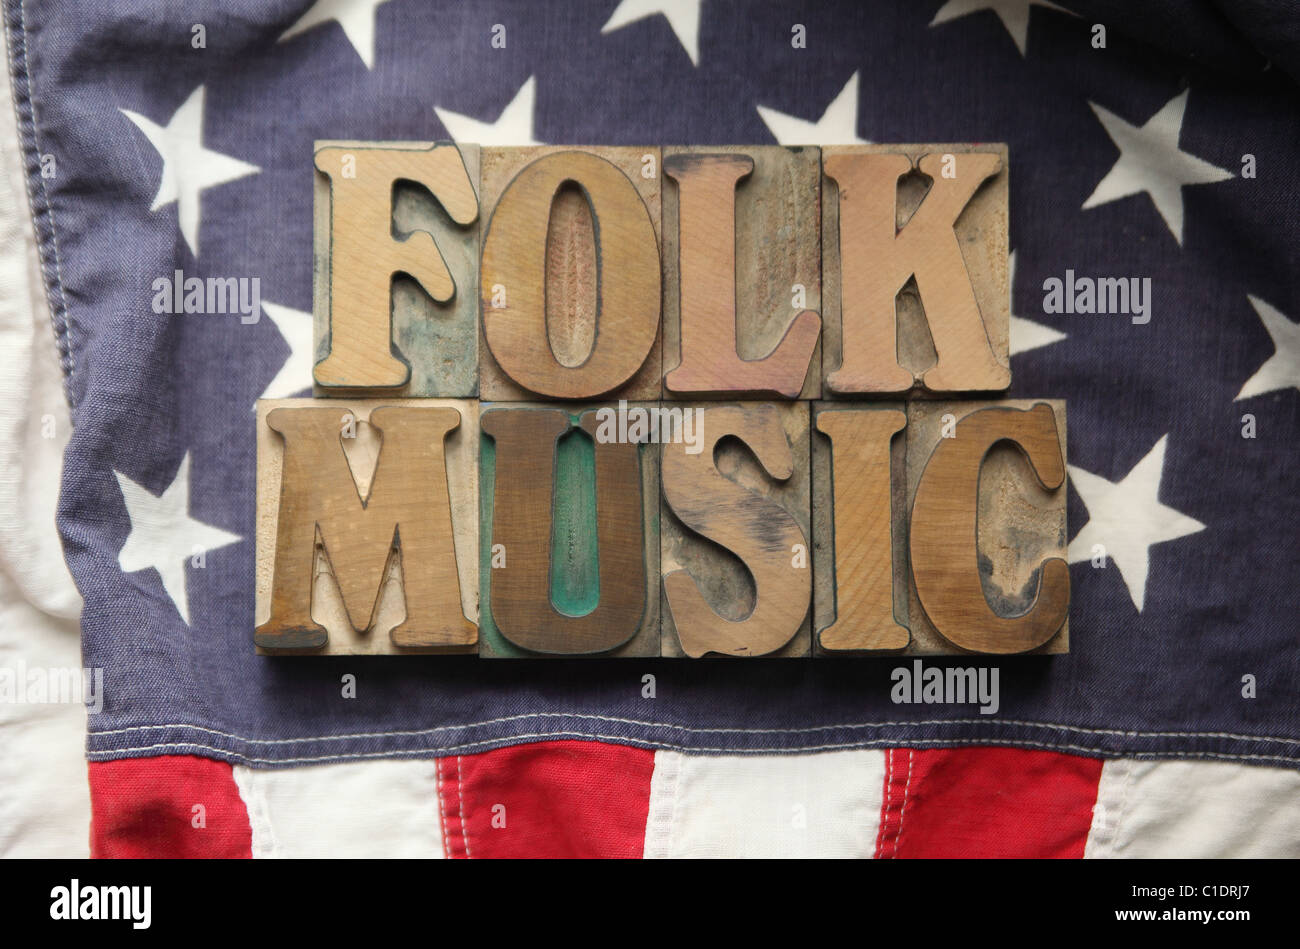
(988,802)
(162,449)
(1168,153)
(1195,809)
(823,805)
(44,802)
(558,799)
(589,799)
(181,807)
(344,810)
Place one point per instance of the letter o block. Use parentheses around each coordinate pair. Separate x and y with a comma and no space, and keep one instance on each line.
(570,282)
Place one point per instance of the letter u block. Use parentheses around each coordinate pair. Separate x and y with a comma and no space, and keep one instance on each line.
(569,549)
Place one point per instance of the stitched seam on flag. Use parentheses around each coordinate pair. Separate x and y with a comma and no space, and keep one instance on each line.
(676,810)
(690,749)
(662,813)
(892,824)
(437,804)
(1126,770)
(885,804)
(442,813)
(453,812)
(460,799)
(1101,830)
(1055,726)
(271,845)
(898,832)
(675,801)
(453,828)
(39,200)
(263,844)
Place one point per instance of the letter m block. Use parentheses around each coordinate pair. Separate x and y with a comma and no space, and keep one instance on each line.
(365,501)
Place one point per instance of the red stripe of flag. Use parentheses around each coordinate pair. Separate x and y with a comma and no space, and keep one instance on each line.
(550,799)
(986,802)
(172,806)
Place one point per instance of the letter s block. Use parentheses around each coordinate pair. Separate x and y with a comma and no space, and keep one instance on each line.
(737,546)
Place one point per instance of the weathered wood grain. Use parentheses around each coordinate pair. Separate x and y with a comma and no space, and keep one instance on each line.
(859,527)
(987,526)
(570,280)
(396,269)
(741,230)
(736,540)
(915,270)
(332,578)
(569,559)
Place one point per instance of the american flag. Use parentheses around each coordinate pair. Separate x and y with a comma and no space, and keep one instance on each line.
(1157,141)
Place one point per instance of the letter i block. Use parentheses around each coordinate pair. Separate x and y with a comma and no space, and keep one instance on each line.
(367,526)
(987,528)
(914,249)
(742,272)
(736,538)
(859,509)
(396,315)
(569,548)
(570,283)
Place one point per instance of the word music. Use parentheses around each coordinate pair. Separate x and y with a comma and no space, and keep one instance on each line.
(680,401)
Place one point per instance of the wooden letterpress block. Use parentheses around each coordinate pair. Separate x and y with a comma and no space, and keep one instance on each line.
(987,531)
(737,563)
(916,286)
(397,315)
(742,272)
(570,281)
(397,575)
(859,516)
(569,549)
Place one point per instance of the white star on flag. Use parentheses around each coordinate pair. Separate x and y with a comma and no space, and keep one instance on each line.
(356,17)
(188,167)
(1026,334)
(296,328)
(682,15)
(1151,161)
(1282,369)
(163,535)
(1014,15)
(513,127)
(837,126)
(1127,518)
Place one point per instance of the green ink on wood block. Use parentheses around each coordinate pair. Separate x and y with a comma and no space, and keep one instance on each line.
(575,579)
